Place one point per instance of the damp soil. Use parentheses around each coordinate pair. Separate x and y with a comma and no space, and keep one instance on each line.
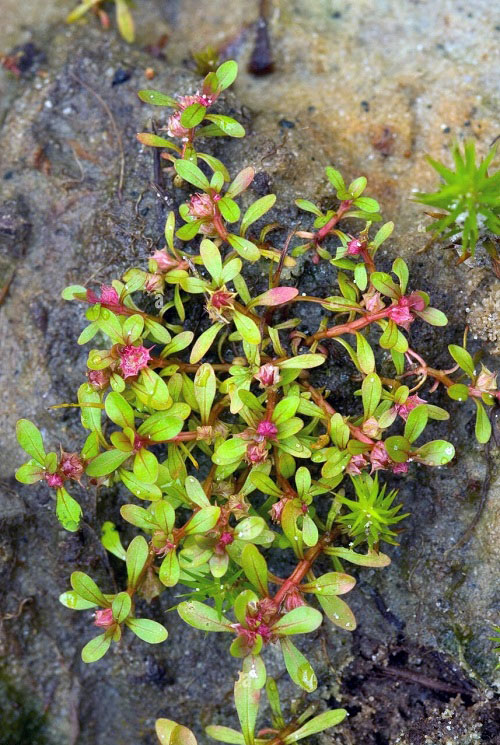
(79,203)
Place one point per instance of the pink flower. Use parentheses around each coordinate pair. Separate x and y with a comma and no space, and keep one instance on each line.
(486,381)
(268,375)
(356,464)
(354,247)
(379,457)
(164,261)
(400,312)
(104,618)
(175,128)
(294,600)
(201,206)
(266,429)
(109,296)
(71,465)
(222,299)
(370,427)
(98,379)
(400,467)
(54,480)
(154,283)
(373,301)
(277,509)
(133,360)
(185,101)
(411,403)
(256,453)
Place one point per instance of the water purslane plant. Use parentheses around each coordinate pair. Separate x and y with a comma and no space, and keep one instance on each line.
(229,453)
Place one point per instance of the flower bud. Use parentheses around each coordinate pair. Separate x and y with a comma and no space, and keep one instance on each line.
(268,375)
(133,359)
(103,618)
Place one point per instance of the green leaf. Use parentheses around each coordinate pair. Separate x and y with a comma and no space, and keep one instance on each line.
(226,74)
(145,466)
(229,209)
(299,668)
(110,539)
(106,463)
(204,342)
(301,620)
(30,439)
(331,583)
(246,249)
(147,630)
(400,269)
(367,204)
(307,206)
(119,411)
(73,601)
(121,607)
(133,327)
(483,424)
(241,181)
(371,391)
(225,734)
(192,174)
(160,426)
(302,362)
(255,567)
(203,521)
(337,611)
(203,617)
(230,451)
(151,140)
(285,409)
(247,328)
(389,338)
(371,559)
(137,556)
(170,569)
(256,211)
(249,528)
(71,292)
(30,473)
(211,259)
(152,390)
(68,511)
(398,448)
(124,21)
(462,358)
(205,386)
(193,115)
(357,187)
(383,233)
(433,316)
(335,178)
(309,531)
(96,648)
(246,699)
(138,487)
(157,99)
(171,733)
(265,484)
(435,453)
(416,422)
(365,354)
(384,284)
(196,493)
(228,125)
(87,589)
(317,724)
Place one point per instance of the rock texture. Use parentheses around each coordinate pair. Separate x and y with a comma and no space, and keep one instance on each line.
(368,87)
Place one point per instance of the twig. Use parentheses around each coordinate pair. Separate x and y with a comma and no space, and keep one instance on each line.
(423,680)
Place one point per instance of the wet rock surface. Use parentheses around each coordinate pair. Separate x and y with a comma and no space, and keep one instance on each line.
(77,207)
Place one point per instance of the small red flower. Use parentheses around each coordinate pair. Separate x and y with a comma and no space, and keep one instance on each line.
(256,453)
(379,457)
(411,403)
(277,509)
(355,247)
(294,600)
(356,464)
(104,618)
(400,312)
(268,375)
(266,430)
(201,206)
(175,128)
(54,480)
(98,379)
(109,296)
(133,359)
(164,261)
(71,465)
